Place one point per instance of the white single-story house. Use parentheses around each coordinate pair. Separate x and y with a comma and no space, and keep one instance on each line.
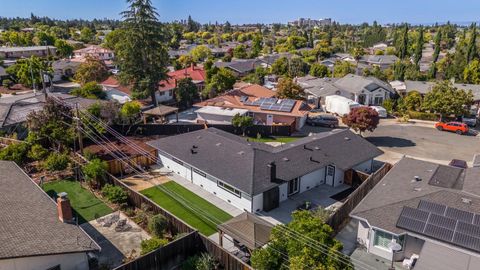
(432,211)
(218,115)
(37,233)
(256,176)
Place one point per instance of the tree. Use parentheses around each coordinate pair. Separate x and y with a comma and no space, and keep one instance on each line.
(63,48)
(219,82)
(157,225)
(130,111)
(287,88)
(258,77)
(280,66)
(90,90)
(342,69)
(472,44)
(319,70)
(94,171)
(362,119)
(186,92)
(240,52)
(192,26)
(113,38)
(412,102)
(436,52)
(257,45)
(446,99)
(15,152)
(114,194)
(86,35)
(200,53)
(227,27)
(152,244)
(399,70)
(419,47)
(29,71)
(92,70)
(56,162)
(471,74)
(242,121)
(403,48)
(357,53)
(141,54)
(300,253)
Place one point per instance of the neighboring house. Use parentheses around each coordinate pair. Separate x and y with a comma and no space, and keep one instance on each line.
(95,51)
(15,109)
(431,210)
(64,68)
(381,61)
(364,90)
(269,59)
(116,91)
(37,233)
(256,176)
(241,67)
(262,106)
(166,88)
(25,52)
(344,57)
(380,46)
(403,88)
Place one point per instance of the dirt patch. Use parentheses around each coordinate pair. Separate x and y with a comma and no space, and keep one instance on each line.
(137,184)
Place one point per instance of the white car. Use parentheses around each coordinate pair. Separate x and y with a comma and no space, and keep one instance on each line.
(382,113)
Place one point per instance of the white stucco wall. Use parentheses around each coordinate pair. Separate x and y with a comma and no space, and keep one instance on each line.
(363,233)
(283,192)
(243,203)
(339,175)
(312,180)
(257,202)
(73,261)
(167,96)
(365,166)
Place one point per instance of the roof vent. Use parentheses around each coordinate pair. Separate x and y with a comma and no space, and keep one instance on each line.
(466,201)
(285,159)
(417,178)
(241,153)
(346,139)
(317,147)
(193,151)
(218,144)
(194,146)
(417,189)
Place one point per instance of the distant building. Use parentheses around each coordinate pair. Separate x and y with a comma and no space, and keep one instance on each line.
(25,52)
(95,51)
(165,89)
(36,232)
(307,22)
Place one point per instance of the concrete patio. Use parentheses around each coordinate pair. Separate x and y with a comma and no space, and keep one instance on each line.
(318,196)
(363,260)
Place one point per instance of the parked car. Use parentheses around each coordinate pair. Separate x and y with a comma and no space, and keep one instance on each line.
(457,127)
(382,112)
(458,163)
(470,120)
(323,120)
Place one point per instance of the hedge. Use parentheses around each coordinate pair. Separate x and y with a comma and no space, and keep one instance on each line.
(423,116)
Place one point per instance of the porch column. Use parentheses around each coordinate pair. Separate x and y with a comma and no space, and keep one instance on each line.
(176,114)
(220,238)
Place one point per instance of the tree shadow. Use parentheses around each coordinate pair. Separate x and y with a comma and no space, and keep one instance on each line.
(388,141)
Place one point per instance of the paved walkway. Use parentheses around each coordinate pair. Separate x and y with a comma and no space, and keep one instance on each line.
(225,206)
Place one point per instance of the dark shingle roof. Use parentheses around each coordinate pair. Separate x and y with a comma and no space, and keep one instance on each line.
(439,183)
(29,220)
(244,164)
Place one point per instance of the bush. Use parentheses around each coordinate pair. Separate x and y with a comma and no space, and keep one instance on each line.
(90,90)
(56,162)
(157,225)
(15,152)
(37,152)
(95,170)
(388,105)
(7,83)
(423,116)
(152,244)
(206,262)
(114,194)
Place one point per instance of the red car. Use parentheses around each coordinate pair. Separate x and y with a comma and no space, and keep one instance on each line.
(457,127)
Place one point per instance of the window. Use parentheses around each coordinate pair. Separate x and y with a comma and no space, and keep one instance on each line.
(378,100)
(230,189)
(382,239)
(177,161)
(200,172)
(161,93)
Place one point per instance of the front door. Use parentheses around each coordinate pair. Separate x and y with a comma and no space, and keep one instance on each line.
(330,175)
(293,186)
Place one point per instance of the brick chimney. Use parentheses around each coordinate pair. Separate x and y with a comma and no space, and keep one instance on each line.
(64,208)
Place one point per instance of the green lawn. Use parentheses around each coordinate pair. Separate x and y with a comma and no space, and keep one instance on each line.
(274,139)
(85,205)
(188,216)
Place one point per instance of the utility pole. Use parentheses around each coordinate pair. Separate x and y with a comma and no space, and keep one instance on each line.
(43,74)
(79,133)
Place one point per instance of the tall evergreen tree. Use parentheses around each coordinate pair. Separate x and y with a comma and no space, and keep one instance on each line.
(472,44)
(404,43)
(438,39)
(419,46)
(141,54)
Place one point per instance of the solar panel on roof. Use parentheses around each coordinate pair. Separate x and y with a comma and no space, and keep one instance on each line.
(476,220)
(459,214)
(442,221)
(466,241)
(469,229)
(415,214)
(411,224)
(432,207)
(439,232)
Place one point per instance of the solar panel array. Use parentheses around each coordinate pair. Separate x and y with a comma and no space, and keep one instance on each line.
(452,225)
(272,104)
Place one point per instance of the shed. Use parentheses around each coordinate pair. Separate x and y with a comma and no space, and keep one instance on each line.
(247,229)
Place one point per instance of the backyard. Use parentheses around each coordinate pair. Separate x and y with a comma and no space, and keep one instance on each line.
(187,215)
(85,205)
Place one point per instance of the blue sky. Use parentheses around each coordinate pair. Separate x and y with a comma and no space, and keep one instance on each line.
(267,11)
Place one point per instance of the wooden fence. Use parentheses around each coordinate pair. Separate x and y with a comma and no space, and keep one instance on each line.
(200,244)
(339,218)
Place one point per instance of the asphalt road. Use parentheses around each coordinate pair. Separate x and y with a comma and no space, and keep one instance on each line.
(424,143)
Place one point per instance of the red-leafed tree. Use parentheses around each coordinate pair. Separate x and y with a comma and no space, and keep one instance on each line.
(362,119)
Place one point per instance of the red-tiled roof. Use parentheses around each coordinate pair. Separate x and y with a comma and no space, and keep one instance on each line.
(196,73)
(231,99)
